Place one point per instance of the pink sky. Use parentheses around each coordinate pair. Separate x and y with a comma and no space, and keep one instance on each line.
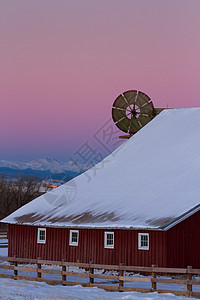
(63,63)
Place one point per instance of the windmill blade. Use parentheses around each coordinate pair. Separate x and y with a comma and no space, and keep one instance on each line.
(118,114)
(130,96)
(120,102)
(135,125)
(124,124)
(144,119)
(147,109)
(142,99)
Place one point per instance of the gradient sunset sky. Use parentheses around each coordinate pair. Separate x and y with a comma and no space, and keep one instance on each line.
(63,63)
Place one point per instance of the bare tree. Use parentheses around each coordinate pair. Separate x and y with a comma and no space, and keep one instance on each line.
(15,194)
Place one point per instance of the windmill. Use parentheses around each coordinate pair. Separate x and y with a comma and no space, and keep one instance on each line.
(132,110)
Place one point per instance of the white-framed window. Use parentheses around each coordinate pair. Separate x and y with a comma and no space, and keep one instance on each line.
(143,241)
(41,238)
(109,240)
(73,237)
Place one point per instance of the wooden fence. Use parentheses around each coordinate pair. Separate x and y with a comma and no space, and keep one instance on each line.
(3,236)
(117,282)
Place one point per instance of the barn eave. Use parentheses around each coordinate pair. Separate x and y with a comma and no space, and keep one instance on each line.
(102,227)
(181,218)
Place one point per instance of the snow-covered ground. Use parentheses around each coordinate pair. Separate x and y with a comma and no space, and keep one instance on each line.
(13,289)
(3,241)
(21,289)
(3,251)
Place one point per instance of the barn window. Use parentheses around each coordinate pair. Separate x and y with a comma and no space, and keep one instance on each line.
(109,240)
(73,237)
(143,241)
(41,235)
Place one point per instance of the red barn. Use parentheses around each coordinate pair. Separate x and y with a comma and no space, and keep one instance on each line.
(139,206)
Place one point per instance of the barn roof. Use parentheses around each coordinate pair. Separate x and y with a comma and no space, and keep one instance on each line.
(151,181)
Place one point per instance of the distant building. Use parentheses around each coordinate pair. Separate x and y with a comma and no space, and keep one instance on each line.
(139,206)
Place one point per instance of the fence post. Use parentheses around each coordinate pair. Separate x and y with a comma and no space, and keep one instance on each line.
(121,274)
(15,265)
(39,274)
(91,270)
(63,270)
(189,277)
(153,274)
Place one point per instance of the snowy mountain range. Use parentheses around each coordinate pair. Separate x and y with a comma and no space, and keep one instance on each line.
(45,168)
(44,164)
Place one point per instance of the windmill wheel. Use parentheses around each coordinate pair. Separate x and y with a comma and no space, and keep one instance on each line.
(132,110)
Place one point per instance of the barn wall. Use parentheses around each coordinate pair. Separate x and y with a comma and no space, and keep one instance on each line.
(183,243)
(23,243)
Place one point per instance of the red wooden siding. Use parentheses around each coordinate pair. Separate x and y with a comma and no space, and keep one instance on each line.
(183,243)
(23,243)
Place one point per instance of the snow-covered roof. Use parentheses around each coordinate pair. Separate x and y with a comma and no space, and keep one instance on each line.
(151,181)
